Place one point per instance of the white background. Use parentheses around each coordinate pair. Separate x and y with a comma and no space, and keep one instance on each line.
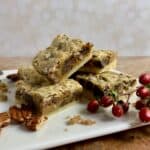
(27,26)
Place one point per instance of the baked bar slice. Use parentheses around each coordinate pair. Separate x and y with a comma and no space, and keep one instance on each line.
(29,75)
(63,58)
(106,81)
(3,91)
(102,60)
(48,98)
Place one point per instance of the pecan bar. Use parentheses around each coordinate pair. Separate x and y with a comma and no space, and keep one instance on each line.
(102,60)
(62,58)
(48,98)
(105,81)
(3,91)
(31,76)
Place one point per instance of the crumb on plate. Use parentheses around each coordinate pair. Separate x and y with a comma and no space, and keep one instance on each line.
(77,119)
(65,129)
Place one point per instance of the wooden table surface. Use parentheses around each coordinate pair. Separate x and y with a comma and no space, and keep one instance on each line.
(136,139)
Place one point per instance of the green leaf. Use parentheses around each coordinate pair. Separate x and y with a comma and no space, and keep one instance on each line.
(97,97)
(148,103)
(113,94)
(148,86)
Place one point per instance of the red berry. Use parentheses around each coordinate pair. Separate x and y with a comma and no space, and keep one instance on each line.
(139,104)
(106,101)
(125,105)
(117,110)
(144,114)
(148,103)
(93,106)
(143,92)
(144,78)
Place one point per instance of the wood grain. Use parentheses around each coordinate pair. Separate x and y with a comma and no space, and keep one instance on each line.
(138,139)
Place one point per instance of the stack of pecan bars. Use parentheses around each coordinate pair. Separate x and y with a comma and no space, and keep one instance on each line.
(58,75)
(46,85)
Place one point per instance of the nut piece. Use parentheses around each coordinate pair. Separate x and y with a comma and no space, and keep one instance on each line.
(4,119)
(20,115)
(87,46)
(35,122)
(13,77)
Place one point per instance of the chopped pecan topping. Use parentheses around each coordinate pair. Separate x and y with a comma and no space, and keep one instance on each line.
(86,47)
(4,119)
(24,115)
(13,77)
(35,122)
(20,115)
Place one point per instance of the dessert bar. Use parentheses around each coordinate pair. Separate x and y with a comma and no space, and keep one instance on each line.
(62,58)
(48,98)
(102,60)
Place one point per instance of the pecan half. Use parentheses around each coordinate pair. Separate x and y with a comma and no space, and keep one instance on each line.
(4,119)
(13,77)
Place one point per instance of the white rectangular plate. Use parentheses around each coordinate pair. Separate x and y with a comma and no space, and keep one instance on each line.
(54,132)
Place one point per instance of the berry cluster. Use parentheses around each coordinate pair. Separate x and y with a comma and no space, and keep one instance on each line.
(119,107)
(143,92)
